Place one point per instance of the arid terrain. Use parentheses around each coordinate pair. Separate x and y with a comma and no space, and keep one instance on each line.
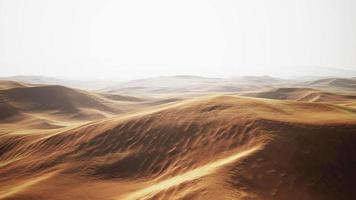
(179,137)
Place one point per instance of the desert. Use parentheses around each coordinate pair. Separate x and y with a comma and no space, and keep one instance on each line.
(266,144)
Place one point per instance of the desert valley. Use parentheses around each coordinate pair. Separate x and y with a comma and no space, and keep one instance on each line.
(179,137)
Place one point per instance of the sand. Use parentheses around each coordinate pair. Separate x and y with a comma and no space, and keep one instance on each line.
(85,145)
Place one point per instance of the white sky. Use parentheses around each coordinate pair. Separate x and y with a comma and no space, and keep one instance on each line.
(139,38)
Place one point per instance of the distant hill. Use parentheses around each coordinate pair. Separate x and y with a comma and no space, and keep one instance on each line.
(261,79)
(59,100)
(193,85)
(314,71)
(334,83)
(80,84)
(169,81)
(160,85)
(303,94)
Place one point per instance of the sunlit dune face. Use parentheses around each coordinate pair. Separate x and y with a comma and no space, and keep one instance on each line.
(197,173)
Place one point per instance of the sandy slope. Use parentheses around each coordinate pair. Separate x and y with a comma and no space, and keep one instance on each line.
(202,148)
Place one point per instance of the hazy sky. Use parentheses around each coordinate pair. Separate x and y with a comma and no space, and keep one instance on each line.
(138,38)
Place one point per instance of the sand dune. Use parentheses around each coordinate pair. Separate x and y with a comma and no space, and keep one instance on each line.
(116,97)
(191,150)
(335,84)
(61,101)
(57,98)
(176,86)
(8,84)
(304,94)
(27,108)
(7,111)
(45,80)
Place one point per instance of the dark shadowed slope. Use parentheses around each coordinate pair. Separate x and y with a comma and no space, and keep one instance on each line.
(52,98)
(56,100)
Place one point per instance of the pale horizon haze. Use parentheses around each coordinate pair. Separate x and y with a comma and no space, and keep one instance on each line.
(138,38)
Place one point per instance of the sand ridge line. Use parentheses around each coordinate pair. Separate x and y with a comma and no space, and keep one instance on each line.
(26,185)
(188,176)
